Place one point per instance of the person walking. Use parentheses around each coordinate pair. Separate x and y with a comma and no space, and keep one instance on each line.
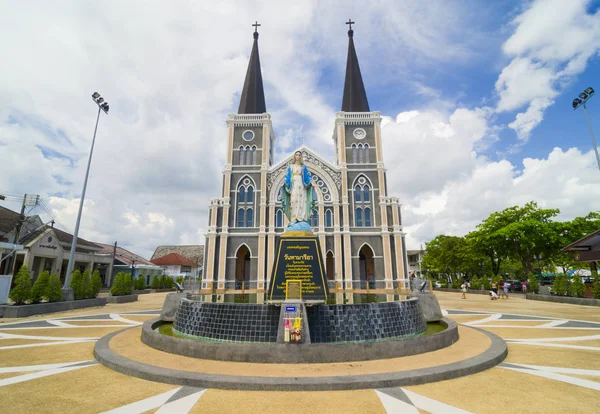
(495,287)
(506,285)
(524,287)
(463,289)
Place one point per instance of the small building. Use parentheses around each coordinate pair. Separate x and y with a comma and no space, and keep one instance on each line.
(415,261)
(192,252)
(175,265)
(128,262)
(586,249)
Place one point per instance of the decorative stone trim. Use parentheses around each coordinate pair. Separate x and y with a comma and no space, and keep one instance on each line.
(122,299)
(564,299)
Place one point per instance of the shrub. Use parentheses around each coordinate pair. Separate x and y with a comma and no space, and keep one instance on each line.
(180,280)
(456,284)
(140,283)
(129,284)
(577,288)
(163,281)
(596,289)
(22,290)
(54,292)
(487,285)
(38,291)
(168,282)
(534,287)
(95,284)
(559,287)
(122,285)
(476,283)
(155,282)
(77,285)
(86,285)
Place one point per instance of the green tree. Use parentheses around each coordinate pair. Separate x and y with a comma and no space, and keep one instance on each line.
(95,284)
(577,288)
(77,285)
(155,282)
(163,281)
(22,290)
(121,285)
(449,255)
(40,287)
(54,292)
(141,283)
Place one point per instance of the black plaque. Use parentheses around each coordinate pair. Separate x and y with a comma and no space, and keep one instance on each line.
(299,258)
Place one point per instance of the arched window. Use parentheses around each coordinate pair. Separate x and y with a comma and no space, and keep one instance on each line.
(366,153)
(249,217)
(254,155)
(328,221)
(248,155)
(241,155)
(367,217)
(357,193)
(279,218)
(360,153)
(245,203)
(314,218)
(363,202)
(358,217)
(354,154)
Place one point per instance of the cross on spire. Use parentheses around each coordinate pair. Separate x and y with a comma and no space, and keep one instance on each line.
(256,25)
(350,23)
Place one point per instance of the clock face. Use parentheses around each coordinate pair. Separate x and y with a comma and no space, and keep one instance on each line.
(248,135)
(359,133)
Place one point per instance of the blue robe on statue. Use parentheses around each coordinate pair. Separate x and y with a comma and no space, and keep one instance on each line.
(287,191)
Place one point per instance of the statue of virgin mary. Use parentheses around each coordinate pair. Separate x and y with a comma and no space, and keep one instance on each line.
(297,192)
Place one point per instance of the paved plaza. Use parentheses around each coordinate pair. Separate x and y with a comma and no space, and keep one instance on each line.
(47,365)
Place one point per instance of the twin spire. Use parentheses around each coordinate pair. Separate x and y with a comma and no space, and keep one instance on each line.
(253,94)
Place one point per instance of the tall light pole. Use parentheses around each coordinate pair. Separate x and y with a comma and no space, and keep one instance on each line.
(577,102)
(104,107)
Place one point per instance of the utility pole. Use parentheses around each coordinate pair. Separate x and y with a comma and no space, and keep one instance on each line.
(28,200)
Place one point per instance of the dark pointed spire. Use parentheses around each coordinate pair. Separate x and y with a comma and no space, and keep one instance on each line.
(355,97)
(253,94)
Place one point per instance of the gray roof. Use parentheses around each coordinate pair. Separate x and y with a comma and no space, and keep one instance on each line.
(253,94)
(355,96)
(8,221)
(194,252)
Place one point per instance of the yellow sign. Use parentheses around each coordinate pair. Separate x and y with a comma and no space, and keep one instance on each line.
(293,289)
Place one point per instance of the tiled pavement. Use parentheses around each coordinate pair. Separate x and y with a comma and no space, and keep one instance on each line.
(47,365)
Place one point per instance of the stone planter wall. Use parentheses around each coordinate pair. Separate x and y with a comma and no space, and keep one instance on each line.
(21,311)
(122,299)
(564,299)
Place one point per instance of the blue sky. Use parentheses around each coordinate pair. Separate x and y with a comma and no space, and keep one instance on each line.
(476,97)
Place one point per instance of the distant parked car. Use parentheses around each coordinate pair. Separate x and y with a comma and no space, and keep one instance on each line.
(588,280)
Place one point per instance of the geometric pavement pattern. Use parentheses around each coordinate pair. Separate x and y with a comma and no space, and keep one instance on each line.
(38,339)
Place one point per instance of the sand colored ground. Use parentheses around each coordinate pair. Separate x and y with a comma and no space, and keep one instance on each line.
(12,374)
(146,302)
(64,332)
(10,342)
(139,318)
(529,333)
(78,391)
(219,401)
(513,323)
(467,318)
(586,377)
(499,390)
(96,323)
(129,345)
(553,357)
(47,355)
(593,342)
(518,305)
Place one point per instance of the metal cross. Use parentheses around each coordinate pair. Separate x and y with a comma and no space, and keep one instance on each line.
(350,23)
(256,27)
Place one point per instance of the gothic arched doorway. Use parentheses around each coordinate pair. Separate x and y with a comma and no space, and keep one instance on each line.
(242,267)
(329,266)
(367,267)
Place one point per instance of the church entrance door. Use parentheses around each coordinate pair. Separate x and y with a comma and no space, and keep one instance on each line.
(242,267)
(329,266)
(367,267)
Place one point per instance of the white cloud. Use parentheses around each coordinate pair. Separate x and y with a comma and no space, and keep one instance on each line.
(552,42)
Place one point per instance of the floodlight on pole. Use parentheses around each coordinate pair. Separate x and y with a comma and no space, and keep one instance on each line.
(577,102)
(101,106)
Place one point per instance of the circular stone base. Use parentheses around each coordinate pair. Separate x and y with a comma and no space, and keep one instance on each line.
(477,350)
(275,353)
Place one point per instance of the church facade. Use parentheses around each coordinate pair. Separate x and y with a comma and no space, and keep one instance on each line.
(358,223)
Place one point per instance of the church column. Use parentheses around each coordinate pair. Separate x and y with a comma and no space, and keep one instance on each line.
(266,148)
(397,234)
(270,241)
(223,240)
(341,130)
(211,238)
(321,231)
(385,238)
(337,238)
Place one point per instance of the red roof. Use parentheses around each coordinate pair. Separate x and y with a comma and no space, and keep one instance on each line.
(173,259)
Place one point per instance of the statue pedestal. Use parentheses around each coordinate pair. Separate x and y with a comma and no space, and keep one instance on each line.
(299,266)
